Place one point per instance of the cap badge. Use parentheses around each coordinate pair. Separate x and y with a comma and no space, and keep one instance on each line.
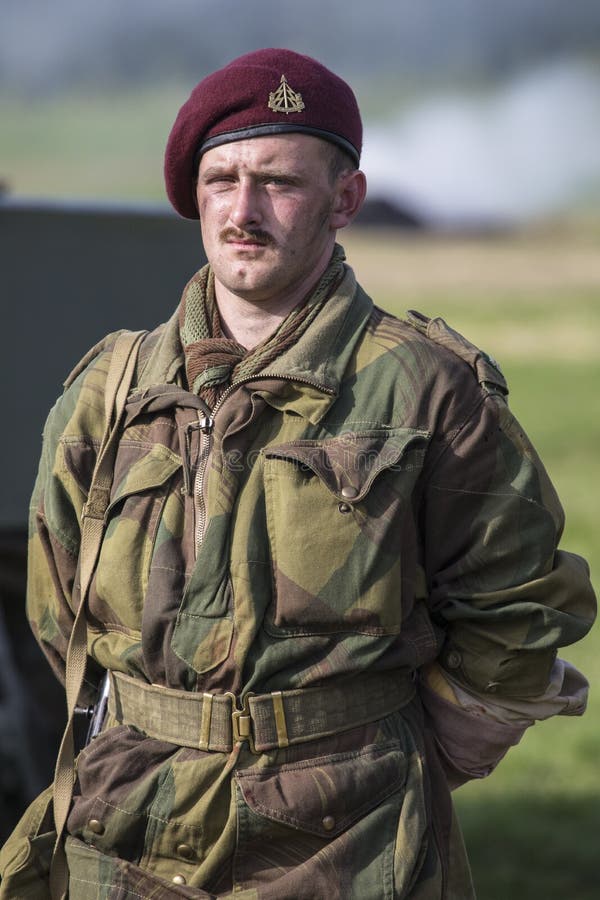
(284,99)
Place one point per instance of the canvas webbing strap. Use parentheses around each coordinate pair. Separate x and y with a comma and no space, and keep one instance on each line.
(266,721)
(118,382)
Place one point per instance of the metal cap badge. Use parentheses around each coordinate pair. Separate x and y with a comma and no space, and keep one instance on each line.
(285,99)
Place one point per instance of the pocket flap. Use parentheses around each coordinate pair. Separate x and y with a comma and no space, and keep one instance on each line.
(354,459)
(150,470)
(325,795)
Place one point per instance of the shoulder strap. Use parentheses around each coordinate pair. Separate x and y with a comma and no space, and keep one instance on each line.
(118,382)
(485,368)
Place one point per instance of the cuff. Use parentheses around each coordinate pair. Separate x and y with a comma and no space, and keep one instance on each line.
(469,746)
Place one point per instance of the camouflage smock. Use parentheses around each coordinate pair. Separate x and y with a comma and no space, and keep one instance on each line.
(242,562)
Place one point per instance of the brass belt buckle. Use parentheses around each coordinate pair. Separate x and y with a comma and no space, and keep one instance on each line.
(241,721)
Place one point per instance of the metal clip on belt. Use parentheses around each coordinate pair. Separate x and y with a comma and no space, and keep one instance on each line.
(264,721)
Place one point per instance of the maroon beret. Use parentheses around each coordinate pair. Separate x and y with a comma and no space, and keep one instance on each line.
(264,92)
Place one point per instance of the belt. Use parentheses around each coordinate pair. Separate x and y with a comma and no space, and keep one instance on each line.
(264,721)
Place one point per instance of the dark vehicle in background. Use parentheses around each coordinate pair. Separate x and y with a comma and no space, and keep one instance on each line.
(70,274)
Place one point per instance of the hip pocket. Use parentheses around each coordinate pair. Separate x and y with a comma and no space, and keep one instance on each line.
(328,827)
(99,876)
(25,857)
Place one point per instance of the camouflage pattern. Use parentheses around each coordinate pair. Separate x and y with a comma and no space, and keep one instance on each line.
(367,503)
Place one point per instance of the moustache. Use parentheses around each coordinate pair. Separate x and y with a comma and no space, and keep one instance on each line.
(255,234)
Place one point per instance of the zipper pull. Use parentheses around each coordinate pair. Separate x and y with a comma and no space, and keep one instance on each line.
(205,425)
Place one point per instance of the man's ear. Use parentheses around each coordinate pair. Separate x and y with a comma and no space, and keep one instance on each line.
(350,192)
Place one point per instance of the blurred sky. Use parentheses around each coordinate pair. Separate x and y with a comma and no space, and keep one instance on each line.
(473,109)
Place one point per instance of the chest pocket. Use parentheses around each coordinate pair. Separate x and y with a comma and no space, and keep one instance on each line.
(141,482)
(341,530)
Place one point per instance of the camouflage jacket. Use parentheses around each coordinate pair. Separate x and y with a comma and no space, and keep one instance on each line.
(369,503)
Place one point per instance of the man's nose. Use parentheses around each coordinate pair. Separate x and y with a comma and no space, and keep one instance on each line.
(245,206)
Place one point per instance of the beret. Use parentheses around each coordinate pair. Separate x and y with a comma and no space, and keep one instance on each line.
(266,92)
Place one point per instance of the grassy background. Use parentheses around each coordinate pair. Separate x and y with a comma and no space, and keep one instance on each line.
(108,145)
(529,298)
(532,300)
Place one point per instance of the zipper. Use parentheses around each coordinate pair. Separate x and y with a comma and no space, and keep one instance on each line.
(205,425)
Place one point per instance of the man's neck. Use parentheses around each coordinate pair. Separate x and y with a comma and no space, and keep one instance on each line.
(250,323)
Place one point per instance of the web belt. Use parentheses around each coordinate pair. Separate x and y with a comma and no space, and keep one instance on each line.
(265,721)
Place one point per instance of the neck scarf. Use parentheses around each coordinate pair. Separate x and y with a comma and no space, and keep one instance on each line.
(212,361)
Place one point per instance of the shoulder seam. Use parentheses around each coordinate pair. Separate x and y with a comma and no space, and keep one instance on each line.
(90,356)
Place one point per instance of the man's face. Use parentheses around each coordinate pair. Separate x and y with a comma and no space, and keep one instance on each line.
(267,211)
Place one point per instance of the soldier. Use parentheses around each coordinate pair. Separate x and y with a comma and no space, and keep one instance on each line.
(327,587)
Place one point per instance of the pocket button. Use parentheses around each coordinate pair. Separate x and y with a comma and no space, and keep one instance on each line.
(453,659)
(349,492)
(328,823)
(185,851)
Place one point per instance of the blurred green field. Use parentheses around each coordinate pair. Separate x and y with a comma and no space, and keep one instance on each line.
(531,300)
(104,145)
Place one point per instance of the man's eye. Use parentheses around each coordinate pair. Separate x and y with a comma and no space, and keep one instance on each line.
(277,180)
(219,180)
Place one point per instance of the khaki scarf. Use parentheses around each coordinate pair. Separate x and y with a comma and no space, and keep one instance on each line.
(212,361)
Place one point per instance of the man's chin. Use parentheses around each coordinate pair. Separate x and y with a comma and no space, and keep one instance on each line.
(253,270)
(248,285)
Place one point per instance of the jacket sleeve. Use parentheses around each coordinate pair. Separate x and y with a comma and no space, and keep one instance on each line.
(503,593)
(71,436)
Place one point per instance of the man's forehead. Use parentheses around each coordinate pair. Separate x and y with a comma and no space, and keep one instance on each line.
(298,151)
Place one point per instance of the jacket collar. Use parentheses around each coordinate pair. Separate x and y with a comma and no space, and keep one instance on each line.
(306,378)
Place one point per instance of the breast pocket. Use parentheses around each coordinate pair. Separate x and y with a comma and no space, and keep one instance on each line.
(140,486)
(341,530)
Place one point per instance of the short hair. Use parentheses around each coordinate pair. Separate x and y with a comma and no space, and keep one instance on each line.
(336,160)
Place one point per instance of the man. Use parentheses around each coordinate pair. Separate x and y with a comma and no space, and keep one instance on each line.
(328,589)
